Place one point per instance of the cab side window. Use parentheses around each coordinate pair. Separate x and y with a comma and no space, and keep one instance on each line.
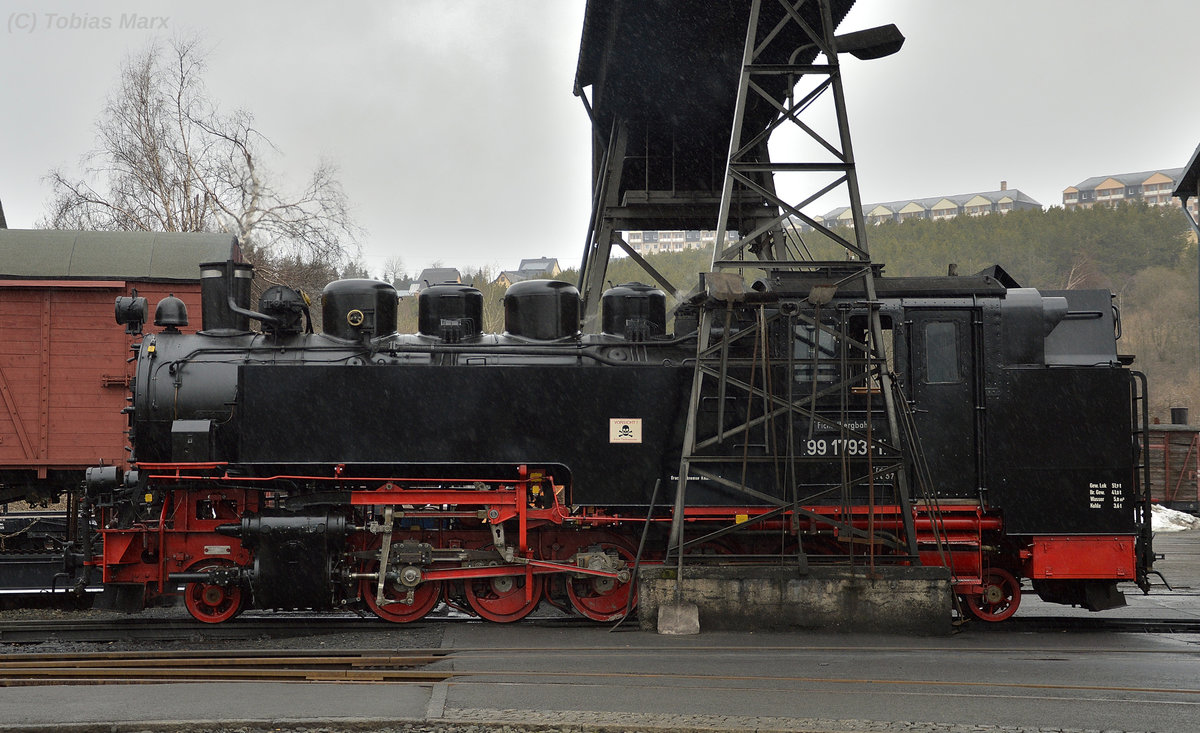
(941,353)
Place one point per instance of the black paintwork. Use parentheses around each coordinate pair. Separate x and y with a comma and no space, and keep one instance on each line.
(408,416)
(1010,417)
(1061,454)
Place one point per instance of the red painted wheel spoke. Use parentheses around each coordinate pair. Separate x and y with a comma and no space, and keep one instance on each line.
(1000,597)
(396,606)
(503,598)
(601,598)
(212,604)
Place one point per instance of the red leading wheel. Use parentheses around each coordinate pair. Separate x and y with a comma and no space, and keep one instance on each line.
(210,603)
(1000,597)
(502,598)
(398,606)
(602,598)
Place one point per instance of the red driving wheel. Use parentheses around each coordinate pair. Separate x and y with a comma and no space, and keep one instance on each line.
(210,603)
(503,598)
(396,607)
(1000,597)
(602,598)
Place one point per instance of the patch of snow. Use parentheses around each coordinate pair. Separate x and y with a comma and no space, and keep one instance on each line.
(1163,519)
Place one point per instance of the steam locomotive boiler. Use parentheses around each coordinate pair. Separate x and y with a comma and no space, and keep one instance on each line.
(359,467)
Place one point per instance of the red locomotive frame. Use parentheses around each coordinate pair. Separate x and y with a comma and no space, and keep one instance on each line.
(556,554)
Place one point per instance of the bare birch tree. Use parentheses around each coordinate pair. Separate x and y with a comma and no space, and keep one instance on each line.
(167,159)
(393,269)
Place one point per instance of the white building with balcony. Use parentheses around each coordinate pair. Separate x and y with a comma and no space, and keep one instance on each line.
(937,207)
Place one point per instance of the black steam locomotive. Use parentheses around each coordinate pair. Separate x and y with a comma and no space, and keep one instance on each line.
(359,467)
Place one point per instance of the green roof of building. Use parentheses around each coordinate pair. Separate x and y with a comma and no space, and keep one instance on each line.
(57,254)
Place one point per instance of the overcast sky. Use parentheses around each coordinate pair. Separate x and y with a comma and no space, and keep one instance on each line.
(459,140)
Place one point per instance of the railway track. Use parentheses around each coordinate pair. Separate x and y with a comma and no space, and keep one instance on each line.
(144,630)
(246,628)
(410,666)
(1189,625)
(137,629)
(20,670)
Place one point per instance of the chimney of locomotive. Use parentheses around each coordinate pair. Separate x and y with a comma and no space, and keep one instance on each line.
(220,283)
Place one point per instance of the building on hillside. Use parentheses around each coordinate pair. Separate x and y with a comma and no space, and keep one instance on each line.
(405,286)
(544,267)
(507,277)
(1001,201)
(541,267)
(435,275)
(1153,187)
(652,243)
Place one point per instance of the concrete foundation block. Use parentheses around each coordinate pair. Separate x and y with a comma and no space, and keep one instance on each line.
(909,600)
(678,619)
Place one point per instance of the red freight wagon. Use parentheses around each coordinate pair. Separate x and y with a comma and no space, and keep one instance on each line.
(64,373)
(1173,452)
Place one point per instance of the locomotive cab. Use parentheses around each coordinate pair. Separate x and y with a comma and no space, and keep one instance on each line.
(1024,409)
(1052,492)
